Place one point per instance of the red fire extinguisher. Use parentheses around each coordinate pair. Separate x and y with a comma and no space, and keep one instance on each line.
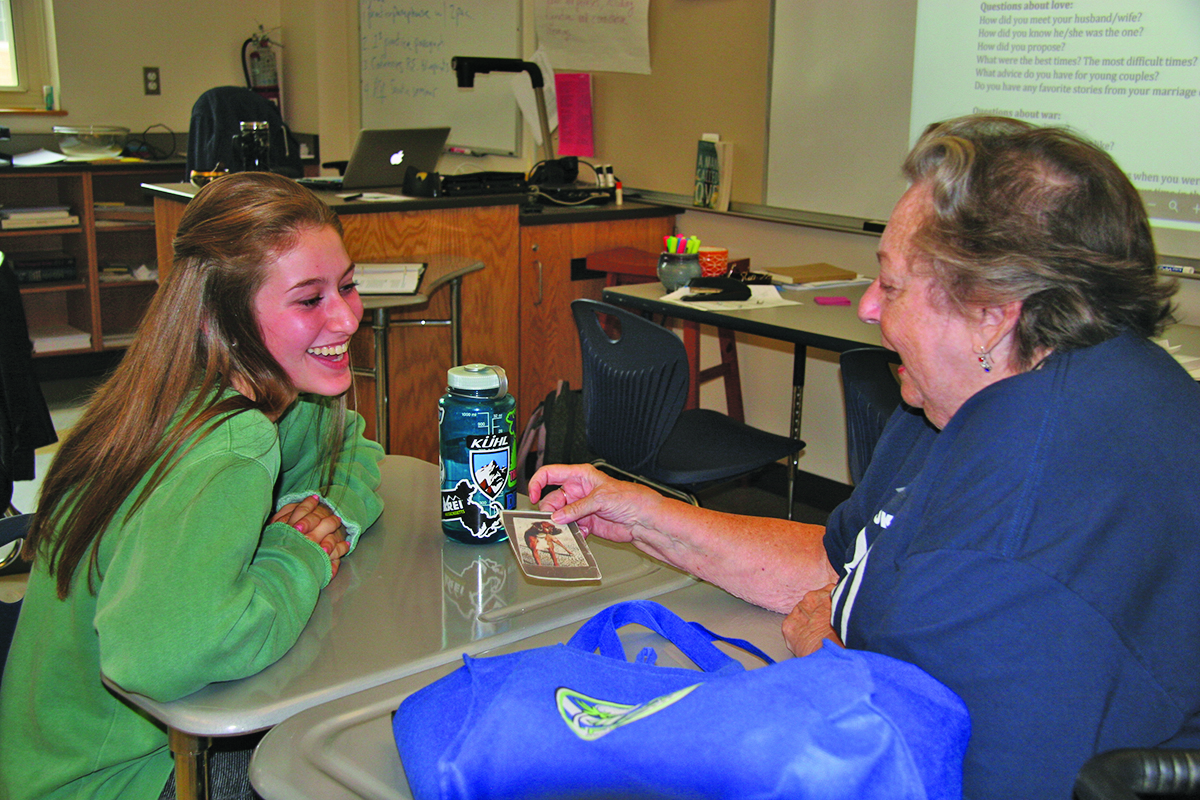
(262,67)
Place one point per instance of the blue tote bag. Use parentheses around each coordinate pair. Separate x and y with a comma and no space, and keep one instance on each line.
(579,720)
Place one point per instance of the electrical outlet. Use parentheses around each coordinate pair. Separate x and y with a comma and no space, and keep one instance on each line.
(150,80)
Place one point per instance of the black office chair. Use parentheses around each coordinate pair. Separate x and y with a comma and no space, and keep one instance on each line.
(634,390)
(1134,773)
(12,529)
(871,394)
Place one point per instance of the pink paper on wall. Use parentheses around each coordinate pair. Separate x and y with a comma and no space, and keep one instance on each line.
(574,90)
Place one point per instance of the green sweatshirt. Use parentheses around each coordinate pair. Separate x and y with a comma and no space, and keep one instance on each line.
(194,587)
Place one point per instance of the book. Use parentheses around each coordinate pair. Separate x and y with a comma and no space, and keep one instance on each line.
(114,272)
(17,223)
(38,258)
(810,273)
(40,266)
(714,173)
(126,213)
(389,278)
(32,212)
(52,338)
(119,338)
(44,274)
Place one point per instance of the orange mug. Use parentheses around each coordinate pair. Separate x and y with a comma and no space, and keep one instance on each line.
(714,261)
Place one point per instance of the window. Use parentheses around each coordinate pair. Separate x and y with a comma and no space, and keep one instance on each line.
(26,47)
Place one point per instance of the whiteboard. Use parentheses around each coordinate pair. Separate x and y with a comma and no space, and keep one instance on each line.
(841,99)
(405,50)
(841,85)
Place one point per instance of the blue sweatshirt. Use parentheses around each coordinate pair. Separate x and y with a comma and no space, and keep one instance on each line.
(1041,557)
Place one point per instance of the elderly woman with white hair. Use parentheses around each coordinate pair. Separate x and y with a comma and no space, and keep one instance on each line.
(1027,529)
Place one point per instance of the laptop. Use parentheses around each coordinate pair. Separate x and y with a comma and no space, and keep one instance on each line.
(381,157)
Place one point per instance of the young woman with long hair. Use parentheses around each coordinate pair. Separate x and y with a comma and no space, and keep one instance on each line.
(194,513)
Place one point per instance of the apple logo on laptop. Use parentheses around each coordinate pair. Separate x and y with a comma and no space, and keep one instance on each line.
(396,158)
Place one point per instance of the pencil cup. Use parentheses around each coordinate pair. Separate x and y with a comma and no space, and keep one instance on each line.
(714,261)
(676,269)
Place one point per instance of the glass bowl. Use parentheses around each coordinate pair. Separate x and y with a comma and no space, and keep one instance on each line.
(89,142)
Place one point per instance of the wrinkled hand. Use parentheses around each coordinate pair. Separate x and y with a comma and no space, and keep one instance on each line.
(806,628)
(597,503)
(318,523)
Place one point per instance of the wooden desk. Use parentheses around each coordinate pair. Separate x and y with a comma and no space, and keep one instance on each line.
(406,601)
(835,328)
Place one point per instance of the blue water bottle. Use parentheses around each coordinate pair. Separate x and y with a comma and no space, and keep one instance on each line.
(477,453)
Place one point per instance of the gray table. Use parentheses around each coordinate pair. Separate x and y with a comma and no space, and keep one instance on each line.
(440,270)
(803,324)
(406,601)
(344,749)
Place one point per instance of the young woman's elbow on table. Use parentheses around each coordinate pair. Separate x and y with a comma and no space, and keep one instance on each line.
(178,652)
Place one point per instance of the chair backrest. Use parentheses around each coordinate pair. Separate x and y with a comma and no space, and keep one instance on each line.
(11,529)
(634,386)
(217,115)
(25,421)
(871,395)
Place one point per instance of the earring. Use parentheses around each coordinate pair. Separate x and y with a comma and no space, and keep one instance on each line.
(985,360)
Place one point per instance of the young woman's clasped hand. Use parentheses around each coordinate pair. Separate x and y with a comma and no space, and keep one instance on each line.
(317,522)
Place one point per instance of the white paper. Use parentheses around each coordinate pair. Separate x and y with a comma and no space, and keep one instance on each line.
(761,296)
(380,197)
(588,38)
(37,158)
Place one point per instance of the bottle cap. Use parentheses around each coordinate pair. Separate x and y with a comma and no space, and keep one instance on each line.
(478,378)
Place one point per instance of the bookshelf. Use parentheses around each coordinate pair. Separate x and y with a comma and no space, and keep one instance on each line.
(92,308)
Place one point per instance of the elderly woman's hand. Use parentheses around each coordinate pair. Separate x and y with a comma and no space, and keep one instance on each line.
(597,503)
(808,626)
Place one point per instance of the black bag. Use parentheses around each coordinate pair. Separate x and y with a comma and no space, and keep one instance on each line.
(216,118)
(554,434)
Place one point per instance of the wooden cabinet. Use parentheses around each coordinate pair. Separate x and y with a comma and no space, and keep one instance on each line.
(516,311)
(419,354)
(549,282)
(105,312)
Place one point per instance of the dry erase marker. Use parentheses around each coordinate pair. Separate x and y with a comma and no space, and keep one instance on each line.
(1178,270)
